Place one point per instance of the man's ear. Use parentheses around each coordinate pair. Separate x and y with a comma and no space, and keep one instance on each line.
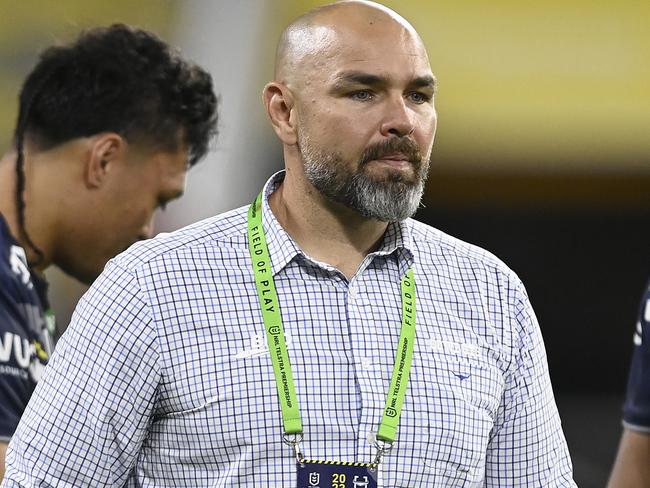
(279,104)
(106,151)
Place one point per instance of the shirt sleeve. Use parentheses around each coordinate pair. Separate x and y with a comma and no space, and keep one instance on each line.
(527,446)
(90,412)
(636,411)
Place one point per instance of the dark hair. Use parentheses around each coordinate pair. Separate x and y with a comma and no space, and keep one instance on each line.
(114,79)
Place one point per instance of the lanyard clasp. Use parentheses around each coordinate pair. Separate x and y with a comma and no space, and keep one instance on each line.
(382,448)
(294,441)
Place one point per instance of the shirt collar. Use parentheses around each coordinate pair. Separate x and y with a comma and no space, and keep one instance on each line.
(282,248)
(398,238)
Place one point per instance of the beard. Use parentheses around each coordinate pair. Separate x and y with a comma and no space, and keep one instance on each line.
(394,196)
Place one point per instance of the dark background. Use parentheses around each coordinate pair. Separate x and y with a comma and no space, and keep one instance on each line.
(581,245)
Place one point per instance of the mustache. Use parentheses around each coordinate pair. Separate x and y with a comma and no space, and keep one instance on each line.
(406,146)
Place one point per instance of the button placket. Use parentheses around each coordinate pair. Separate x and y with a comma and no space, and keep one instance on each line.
(364,366)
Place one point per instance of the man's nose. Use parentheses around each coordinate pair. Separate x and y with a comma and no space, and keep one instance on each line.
(399,118)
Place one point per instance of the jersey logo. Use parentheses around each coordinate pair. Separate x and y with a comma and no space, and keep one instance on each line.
(28,356)
(18,262)
(20,347)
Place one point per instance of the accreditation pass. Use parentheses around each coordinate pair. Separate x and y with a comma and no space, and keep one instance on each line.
(336,474)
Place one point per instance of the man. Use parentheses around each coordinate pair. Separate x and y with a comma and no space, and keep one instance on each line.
(275,345)
(632,466)
(107,127)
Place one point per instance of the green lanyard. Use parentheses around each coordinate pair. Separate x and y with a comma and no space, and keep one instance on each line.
(268,298)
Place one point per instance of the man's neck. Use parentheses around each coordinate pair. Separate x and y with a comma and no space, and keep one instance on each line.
(326,231)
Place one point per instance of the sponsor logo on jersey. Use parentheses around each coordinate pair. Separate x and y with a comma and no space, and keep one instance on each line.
(27,356)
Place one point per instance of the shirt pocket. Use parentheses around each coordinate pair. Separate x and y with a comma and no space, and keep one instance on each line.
(463,389)
(233,412)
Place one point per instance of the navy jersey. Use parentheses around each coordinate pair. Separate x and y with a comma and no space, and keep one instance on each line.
(636,412)
(25,343)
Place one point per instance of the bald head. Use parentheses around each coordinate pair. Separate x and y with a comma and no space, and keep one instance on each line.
(319,34)
(353,104)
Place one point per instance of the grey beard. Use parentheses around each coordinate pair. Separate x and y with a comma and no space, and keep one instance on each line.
(386,201)
(389,200)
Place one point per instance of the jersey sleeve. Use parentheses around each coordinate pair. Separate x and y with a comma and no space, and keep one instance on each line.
(22,358)
(90,412)
(636,411)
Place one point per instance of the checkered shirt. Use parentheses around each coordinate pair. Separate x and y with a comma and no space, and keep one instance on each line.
(163,378)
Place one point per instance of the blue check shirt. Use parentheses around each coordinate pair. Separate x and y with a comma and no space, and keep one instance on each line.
(163,378)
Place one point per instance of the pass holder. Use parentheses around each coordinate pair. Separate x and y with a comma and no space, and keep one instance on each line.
(336,474)
(313,473)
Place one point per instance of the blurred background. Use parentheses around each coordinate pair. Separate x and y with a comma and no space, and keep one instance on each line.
(542,155)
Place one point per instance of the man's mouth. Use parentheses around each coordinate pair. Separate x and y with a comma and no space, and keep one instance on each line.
(396,160)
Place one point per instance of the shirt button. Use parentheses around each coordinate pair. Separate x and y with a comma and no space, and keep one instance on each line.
(371,437)
(366,363)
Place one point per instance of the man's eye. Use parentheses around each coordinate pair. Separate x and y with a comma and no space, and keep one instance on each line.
(418,97)
(361,95)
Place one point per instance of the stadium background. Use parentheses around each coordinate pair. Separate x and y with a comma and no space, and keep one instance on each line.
(542,155)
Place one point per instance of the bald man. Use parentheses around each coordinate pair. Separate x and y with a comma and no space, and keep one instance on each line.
(318,337)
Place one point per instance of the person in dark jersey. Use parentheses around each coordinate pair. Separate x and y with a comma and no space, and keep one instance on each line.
(107,128)
(632,466)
